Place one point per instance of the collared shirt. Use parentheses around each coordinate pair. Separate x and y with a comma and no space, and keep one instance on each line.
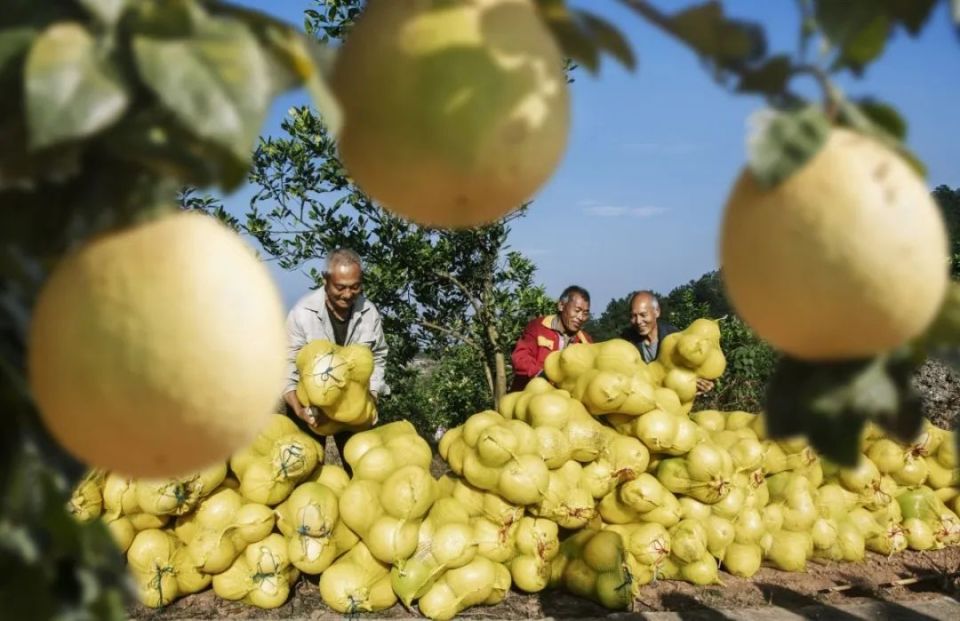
(539,339)
(557,326)
(309,320)
(649,351)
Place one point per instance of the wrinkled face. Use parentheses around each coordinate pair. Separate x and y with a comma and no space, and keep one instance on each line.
(343,283)
(644,314)
(574,313)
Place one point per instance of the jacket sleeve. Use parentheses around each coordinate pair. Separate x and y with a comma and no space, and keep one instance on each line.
(378,382)
(296,339)
(524,356)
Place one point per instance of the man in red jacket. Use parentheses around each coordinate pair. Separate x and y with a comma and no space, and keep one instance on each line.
(551,333)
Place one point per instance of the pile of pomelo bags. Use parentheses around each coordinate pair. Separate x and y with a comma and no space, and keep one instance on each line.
(598,482)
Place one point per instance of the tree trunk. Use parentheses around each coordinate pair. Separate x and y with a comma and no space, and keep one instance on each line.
(501,386)
(490,381)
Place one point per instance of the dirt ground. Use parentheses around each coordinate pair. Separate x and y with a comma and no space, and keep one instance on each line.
(927,575)
(939,388)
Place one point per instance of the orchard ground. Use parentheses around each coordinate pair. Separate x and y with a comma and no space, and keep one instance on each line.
(908,585)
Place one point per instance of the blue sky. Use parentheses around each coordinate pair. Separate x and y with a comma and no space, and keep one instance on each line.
(637,200)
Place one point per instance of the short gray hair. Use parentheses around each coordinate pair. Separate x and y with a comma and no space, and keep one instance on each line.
(343,256)
(654,300)
(573,290)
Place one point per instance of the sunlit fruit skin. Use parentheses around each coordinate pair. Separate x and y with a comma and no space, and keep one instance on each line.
(846,258)
(158,349)
(455,113)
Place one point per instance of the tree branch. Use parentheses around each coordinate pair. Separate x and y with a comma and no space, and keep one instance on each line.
(831,96)
(473,299)
(662,21)
(806,18)
(450,332)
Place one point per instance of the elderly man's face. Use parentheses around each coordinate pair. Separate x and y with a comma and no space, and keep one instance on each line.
(343,284)
(644,314)
(574,313)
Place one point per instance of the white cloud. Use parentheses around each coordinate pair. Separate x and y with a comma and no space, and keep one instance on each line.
(616,211)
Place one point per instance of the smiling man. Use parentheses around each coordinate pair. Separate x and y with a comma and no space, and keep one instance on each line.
(337,312)
(646,331)
(551,333)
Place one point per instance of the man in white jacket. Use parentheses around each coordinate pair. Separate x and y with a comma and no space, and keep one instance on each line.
(338,312)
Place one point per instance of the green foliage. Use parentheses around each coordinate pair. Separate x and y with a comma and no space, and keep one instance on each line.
(859,29)
(440,392)
(949,202)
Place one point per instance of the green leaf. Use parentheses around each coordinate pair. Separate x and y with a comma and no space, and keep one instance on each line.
(884,116)
(841,20)
(14,44)
(770,78)
(608,37)
(866,45)
(854,116)
(165,18)
(216,81)
(157,140)
(829,402)
(860,28)
(21,167)
(107,11)
(71,89)
(913,14)
(785,141)
(294,59)
(728,42)
(574,43)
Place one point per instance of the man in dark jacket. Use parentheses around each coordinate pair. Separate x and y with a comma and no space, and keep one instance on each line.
(646,331)
(551,333)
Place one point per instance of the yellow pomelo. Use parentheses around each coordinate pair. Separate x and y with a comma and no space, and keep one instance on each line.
(551,368)
(549,410)
(618,355)
(455,113)
(159,349)
(846,258)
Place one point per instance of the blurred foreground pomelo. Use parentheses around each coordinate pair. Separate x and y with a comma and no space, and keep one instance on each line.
(846,258)
(455,113)
(158,349)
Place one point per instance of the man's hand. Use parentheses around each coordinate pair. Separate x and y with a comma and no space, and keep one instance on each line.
(305,413)
(704,385)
